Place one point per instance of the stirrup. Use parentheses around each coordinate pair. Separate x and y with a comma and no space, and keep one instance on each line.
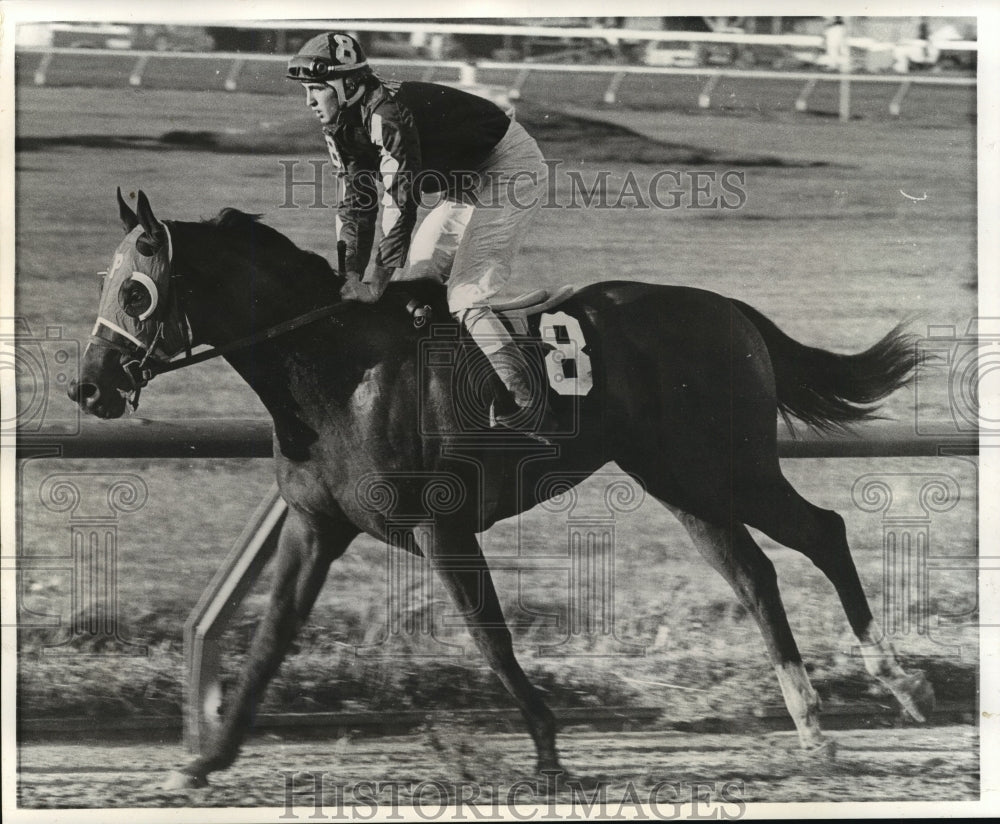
(499,423)
(514,422)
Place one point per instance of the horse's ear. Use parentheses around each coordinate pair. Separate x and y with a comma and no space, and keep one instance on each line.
(150,225)
(129,219)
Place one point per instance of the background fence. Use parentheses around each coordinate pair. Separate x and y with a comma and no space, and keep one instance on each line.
(251,438)
(259,73)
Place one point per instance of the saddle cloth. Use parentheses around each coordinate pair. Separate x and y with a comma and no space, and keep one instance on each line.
(551,340)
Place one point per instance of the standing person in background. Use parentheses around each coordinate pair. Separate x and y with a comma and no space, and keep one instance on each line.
(424,138)
(834,38)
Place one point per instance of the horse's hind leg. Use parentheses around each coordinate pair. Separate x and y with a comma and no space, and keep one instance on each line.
(778,510)
(735,554)
(306,547)
(458,560)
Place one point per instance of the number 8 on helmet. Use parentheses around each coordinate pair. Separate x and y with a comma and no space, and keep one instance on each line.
(330,58)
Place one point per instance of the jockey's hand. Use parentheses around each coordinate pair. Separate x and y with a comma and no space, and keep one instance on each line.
(379,278)
(354,289)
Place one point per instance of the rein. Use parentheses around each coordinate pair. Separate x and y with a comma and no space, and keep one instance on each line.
(158,367)
(142,371)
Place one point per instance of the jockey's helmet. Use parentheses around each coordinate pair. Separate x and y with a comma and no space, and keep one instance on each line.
(334,58)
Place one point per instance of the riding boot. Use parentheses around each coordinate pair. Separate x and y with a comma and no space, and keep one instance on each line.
(524,406)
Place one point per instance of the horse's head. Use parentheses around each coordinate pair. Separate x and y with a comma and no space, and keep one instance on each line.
(139,318)
(242,281)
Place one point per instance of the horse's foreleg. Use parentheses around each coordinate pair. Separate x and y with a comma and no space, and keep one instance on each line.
(306,548)
(734,554)
(458,560)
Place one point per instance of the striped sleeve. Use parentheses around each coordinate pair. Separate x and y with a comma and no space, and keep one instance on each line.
(358,206)
(393,130)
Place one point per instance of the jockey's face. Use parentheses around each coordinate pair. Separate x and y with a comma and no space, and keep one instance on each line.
(323,101)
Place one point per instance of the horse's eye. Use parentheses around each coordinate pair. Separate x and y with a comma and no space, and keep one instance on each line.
(147,246)
(101,279)
(134,298)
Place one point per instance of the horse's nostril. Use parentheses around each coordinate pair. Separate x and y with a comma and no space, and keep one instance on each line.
(81,392)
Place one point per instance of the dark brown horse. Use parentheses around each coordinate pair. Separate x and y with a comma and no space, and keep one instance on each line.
(687,387)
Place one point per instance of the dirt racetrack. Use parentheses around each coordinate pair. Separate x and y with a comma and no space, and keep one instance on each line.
(915,764)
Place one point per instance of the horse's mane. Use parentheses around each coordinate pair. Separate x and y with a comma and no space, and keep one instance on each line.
(308,263)
(312,265)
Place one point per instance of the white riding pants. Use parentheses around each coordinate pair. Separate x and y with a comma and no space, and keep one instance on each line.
(469,245)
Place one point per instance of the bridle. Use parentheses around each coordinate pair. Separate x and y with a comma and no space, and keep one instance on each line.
(141,365)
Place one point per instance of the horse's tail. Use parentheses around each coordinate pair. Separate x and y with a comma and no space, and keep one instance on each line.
(830,391)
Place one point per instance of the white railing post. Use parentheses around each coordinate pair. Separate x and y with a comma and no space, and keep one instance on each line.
(845,73)
(43,68)
(467,74)
(897,100)
(802,101)
(135,79)
(234,71)
(215,607)
(514,93)
(611,95)
(705,98)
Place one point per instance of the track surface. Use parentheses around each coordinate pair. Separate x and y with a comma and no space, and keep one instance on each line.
(929,764)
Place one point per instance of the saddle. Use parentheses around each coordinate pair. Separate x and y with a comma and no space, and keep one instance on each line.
(550,338)
(511,312)
(533,303)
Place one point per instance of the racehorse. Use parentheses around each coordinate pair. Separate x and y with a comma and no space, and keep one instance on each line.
(687,389)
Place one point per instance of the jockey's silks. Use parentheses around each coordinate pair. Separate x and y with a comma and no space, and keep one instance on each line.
(418,138)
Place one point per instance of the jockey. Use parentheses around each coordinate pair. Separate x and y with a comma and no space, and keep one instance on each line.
(426,138)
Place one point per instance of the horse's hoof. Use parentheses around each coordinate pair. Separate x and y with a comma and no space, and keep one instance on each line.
(915,694)
(552,778)
(579,783)
(550,786)
(825,751)
(178,780)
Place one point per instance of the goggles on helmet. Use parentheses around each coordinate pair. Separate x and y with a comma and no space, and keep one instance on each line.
(311,68)
(305,68)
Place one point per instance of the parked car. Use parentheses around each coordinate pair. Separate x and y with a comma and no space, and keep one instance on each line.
(91,36)
(681,54)
(123,37)
(172,38)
